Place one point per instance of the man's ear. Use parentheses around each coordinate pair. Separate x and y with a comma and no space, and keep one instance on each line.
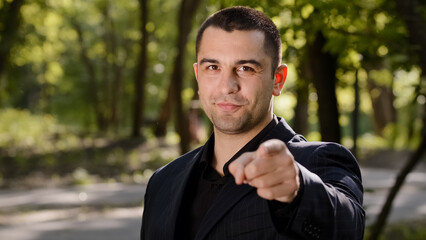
(195,65)
(280,77)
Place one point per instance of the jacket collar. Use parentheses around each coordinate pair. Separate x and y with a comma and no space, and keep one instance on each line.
(281,131)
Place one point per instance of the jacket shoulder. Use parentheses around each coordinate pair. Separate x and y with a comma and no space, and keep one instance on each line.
(179,163)
(319,149)
(177,168)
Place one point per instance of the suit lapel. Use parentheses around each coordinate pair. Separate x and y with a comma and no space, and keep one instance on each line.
(180,186)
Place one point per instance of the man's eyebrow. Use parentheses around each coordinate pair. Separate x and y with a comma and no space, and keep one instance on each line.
(239,62)
(208,60)
(250,61)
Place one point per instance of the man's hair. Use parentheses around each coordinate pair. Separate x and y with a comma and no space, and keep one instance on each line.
(246,19)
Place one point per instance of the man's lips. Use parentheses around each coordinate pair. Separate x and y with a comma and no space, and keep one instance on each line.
(226,106)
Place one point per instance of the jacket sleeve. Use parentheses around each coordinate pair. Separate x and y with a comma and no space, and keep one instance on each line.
(329,202)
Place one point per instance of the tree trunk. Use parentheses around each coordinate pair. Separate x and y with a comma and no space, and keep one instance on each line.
(188,9)
(382,99)
(164,116)
(140,76)
(10,21)
(323,67)
(117,80)
(355,116)
(104,93)
(116,84)
(409,10)
(300,122)
(116,90)
(187,13)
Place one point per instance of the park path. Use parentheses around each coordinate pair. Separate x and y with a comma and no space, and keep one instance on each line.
(95,212)
(113,211)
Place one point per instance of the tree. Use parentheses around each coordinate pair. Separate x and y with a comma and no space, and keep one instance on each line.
(300,121)
(323,68)
(379,80)
(317,64)
(140,76)
(381,93)
(9,24)
(104,53)
(187,11)
(93,90)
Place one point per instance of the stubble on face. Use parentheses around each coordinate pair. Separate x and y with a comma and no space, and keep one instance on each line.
(240,121)
(243,110)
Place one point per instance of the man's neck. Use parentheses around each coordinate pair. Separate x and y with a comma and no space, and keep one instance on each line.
(227,145)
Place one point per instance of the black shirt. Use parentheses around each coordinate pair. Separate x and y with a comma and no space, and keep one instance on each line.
(205,183)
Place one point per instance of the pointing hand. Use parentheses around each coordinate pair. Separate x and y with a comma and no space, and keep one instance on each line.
(271,169)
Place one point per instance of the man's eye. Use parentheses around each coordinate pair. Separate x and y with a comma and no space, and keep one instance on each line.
(246,69)
(212,67)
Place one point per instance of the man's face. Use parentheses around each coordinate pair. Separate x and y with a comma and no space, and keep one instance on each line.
(234,80)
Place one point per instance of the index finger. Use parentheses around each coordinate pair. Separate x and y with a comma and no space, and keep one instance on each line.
(236,168)
(271,147)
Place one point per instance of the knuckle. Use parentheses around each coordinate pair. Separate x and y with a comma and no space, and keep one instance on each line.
(265,194)
(232,166)
(294,186)
(245,155)
(252,169)
(260,183)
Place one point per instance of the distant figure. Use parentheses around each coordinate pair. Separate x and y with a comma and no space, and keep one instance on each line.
(254,178)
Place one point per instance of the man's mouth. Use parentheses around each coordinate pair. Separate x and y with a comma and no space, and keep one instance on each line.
(228,107)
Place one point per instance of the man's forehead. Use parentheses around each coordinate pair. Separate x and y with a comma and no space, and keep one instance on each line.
(217,43)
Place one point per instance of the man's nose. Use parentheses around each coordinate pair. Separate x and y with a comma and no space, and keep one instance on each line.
(229,82)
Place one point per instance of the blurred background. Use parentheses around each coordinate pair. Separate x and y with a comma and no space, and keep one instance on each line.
(96,95)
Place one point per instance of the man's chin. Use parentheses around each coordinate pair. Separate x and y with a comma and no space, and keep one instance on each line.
(229,127)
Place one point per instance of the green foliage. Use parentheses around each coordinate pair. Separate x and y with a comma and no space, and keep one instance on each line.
(21,131)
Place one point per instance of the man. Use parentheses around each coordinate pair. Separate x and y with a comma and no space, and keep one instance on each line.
(255,178)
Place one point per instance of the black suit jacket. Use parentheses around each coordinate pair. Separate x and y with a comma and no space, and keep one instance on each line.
(328,206)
